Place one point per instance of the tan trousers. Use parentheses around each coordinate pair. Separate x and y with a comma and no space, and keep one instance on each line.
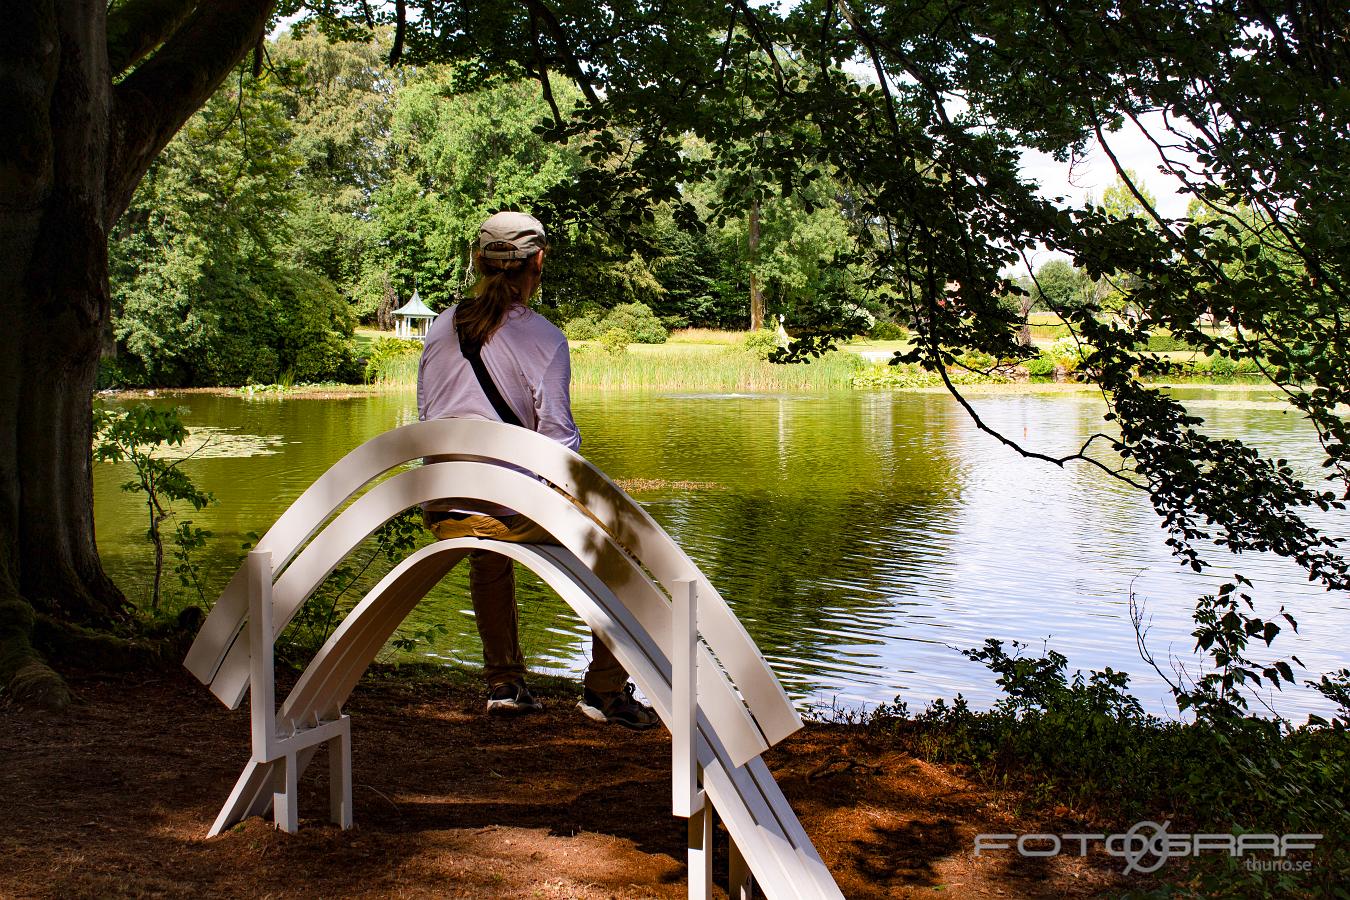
(492,587)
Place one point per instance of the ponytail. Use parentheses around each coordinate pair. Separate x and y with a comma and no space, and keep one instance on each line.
(502,283)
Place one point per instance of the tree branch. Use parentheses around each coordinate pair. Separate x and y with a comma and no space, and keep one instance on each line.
(1061,461)
(882,81)
(137,27)
(400,31)
(153,102)
(543,69)
(764,41)
(573,64)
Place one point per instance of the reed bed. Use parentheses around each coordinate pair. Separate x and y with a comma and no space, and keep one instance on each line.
(398,371)
(673,368)
(731,370)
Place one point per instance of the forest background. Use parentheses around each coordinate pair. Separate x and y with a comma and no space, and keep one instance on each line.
(320,191)
(325,189)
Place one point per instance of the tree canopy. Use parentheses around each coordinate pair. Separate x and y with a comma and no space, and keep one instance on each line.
(205,290)
(354,175)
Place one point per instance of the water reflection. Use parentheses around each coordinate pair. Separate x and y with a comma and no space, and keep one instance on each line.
(861,537)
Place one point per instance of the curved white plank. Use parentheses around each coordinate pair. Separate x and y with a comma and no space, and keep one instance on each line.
(750,803)
(567,524)
(622,518)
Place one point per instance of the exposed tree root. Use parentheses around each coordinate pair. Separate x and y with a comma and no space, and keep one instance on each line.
(28,639)
(25,678)
(102,651)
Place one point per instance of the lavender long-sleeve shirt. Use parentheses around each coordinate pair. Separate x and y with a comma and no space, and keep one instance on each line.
(527,359)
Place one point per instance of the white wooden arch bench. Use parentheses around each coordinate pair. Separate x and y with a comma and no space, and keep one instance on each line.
(619,570)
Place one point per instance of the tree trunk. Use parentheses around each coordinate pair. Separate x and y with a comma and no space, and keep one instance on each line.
(1024,334)
(384,313)
(756,290)
(77,146)
(54,305)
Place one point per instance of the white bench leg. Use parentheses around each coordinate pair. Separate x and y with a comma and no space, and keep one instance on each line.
(340,777)
(286,804)
(700,854)
(741,884)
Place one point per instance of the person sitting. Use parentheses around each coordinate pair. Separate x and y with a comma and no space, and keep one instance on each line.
(524,361)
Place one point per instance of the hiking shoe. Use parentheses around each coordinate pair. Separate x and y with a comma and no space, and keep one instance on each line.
(512,699)
(619,707)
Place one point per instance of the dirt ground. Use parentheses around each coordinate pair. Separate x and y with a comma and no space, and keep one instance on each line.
(115,797)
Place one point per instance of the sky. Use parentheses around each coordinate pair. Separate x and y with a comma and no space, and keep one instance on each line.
(1094,173)
(1090,175)
(1087,177)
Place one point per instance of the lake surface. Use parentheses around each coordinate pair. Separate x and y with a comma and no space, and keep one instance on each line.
(863,538)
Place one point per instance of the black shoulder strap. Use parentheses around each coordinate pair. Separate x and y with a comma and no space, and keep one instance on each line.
(474,354)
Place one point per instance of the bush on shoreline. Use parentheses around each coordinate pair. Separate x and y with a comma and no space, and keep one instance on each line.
(387,357)
(636,319)
(1212,366)
(1084,742)
(761,344)
(884,330)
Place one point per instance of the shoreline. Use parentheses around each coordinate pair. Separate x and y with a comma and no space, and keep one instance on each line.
(353,391)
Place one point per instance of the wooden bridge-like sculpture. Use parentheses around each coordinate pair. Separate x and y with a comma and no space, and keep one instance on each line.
(624,576)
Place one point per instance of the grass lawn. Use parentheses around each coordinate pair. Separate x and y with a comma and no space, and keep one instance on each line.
(866,345)
(365,336)
(707,337)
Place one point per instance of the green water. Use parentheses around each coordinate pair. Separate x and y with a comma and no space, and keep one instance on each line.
(860,536)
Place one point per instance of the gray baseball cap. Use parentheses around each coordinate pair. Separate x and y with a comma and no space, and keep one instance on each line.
(523,233)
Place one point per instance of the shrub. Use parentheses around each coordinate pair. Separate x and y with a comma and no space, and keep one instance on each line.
(1067,354)
(1069,347)
(761,343)
(638,320)
(313,331)
(887,331)
(383,354)
(133,435)
(616,341)
(1083,740)
(236,359)
(1164,342)
(1040,367)
(976,360)
(113,372)
(1209,366)
(582,328)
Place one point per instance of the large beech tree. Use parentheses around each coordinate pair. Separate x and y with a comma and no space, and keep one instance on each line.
(89,94)
(1246,103)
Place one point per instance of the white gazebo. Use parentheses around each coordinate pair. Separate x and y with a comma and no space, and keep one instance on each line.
(412,319)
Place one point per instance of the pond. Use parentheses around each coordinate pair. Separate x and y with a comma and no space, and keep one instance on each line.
(863,538)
